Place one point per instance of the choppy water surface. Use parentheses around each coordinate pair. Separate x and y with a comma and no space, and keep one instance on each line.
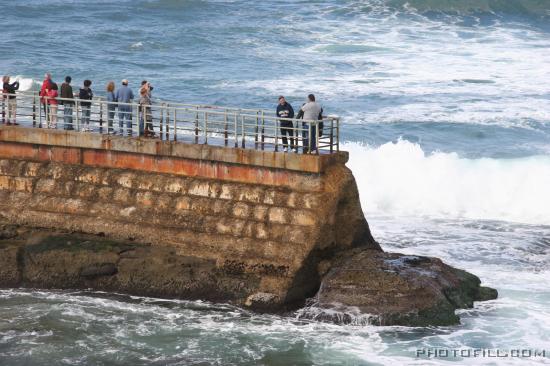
(446,111)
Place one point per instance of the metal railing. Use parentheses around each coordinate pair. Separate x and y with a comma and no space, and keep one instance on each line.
(199,124)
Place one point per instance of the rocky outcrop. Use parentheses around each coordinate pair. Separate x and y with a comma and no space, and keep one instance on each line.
(394,289)
(46,259)
(362,286)
(259,229)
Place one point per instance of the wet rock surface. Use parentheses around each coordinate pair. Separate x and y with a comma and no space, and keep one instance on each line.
(372,287)
(360,286)
(48,259)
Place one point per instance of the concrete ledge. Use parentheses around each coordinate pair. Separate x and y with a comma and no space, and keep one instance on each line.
(133,145)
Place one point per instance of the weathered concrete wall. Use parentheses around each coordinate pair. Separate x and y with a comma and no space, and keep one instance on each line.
(277,219)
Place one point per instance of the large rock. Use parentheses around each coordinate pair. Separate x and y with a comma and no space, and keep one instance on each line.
(395,289)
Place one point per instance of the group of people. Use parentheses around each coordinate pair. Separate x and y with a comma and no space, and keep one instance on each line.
(51,96)
(310,111)
(120,99)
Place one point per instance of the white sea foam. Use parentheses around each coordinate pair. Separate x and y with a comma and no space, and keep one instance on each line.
(401,179)
(25,83)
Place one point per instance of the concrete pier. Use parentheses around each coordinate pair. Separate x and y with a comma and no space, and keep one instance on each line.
(267,224)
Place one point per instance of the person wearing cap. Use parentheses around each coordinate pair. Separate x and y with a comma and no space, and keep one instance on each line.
(311,111)
(12,102)
(124,95)
(286,113)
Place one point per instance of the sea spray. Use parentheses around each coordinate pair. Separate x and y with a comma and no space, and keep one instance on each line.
(399,178)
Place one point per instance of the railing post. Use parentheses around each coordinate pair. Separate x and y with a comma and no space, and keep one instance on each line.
(206,127)
(101,116)
(331,135)
(137,119)
(40,115)
(263,129)
(309,138)
(256,130)
(77,121)
(243,132)
(3,108)
(225,127)
(197,126)
(33,109)
(338,134)
(167,122)
(277,135)
(236,132)
(47,111)
(161,120)
(175,126)
(317,137)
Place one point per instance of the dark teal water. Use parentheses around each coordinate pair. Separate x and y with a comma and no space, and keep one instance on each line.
(445,108)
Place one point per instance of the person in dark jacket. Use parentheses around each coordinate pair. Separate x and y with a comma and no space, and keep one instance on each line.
(284,110)
(86,94)
(67,93)
(11,99)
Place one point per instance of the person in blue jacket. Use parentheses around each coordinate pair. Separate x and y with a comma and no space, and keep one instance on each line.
(124,95)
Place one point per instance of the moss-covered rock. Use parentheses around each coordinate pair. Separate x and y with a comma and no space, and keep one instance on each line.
(395,289)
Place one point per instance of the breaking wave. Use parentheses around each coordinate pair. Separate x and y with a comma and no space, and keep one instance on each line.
(399,178)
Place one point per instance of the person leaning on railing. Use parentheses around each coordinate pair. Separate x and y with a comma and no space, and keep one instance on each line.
(124,95)
(52,95)
(67,93)
(311,111)
(86,94)
(11,99)
(111,105)
(46,85)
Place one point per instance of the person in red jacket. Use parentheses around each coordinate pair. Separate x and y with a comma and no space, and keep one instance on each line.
(52,95)
(46,85)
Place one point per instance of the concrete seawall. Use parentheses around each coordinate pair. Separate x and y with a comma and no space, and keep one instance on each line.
(248,226)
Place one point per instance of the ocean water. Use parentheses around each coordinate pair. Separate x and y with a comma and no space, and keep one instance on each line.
(446,113)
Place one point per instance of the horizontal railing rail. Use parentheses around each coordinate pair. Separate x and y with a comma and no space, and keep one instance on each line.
(191,123)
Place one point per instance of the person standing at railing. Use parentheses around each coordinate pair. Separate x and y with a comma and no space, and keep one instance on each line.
(124,95)
(67,93)
(52,95)
(11,99)
(284,110)
(146,116)
(86,94)
(46,85)
(111,105)
(311,111)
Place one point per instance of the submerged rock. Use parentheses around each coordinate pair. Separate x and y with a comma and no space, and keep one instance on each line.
(394,289)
